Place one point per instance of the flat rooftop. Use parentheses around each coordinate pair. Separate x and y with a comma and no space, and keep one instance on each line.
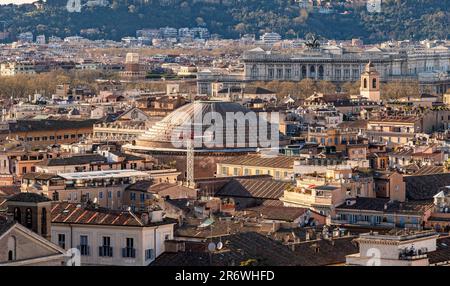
(400,235)
(103,174)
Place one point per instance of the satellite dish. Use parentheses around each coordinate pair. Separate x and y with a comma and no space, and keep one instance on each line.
(211,246)
(219,245)
(95,200)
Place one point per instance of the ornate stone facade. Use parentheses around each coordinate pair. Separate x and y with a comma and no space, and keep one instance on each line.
(338,65)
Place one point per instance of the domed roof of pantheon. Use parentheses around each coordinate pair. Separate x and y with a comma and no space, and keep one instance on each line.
(178,127)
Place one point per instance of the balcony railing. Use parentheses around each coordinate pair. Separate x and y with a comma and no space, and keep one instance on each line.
(105,251)
(128,252)
(412,257)
(84,250)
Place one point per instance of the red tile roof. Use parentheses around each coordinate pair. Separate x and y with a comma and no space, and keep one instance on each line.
(74,214)
(257,161)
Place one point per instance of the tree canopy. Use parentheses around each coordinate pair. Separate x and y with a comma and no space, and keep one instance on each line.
(406,19)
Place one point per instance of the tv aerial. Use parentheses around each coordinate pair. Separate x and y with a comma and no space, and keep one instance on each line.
(211,246)
(73,6)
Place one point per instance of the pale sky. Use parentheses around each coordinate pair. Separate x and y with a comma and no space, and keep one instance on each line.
(16,1)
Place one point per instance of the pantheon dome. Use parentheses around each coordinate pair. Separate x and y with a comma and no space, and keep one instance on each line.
(204,122)
(166,141)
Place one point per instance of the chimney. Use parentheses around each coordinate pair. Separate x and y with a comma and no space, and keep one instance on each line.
(145,218)
(173,246)
(157,216)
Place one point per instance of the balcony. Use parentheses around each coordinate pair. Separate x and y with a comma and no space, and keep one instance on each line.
(84,250)
(338,220)
(128,252)
(105,251)
(307,198)
(389,133)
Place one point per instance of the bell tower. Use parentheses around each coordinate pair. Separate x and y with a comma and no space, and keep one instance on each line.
(32,211)
(370,83)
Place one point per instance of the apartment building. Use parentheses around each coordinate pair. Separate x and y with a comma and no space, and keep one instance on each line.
(102,161)
(324,193)
(127,127)
(393,130)
(440,217)
(49,132)
(400,248)
(17,160)
(280,168)
(105,237)
(382,213)
(16,68)
(105,187)
(398,130)
(389,184)
(422,155)
(332,137)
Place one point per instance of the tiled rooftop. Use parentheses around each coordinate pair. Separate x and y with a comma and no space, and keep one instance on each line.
(424,187)
(254,188)
(257,161)
(241,247)
(75,214)
(378,204)
(29,197)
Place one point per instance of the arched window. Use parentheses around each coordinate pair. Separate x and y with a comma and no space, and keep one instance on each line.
(312,71)
(17,215)
(365,83)
(374,83)
(28,218)
(44,222)
(254,71)
(321,72)
(303,72)
(11,248)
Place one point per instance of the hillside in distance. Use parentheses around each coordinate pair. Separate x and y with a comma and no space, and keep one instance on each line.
(399,19)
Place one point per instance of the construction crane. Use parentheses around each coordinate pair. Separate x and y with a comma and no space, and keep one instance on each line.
(190,161)
(190,157)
